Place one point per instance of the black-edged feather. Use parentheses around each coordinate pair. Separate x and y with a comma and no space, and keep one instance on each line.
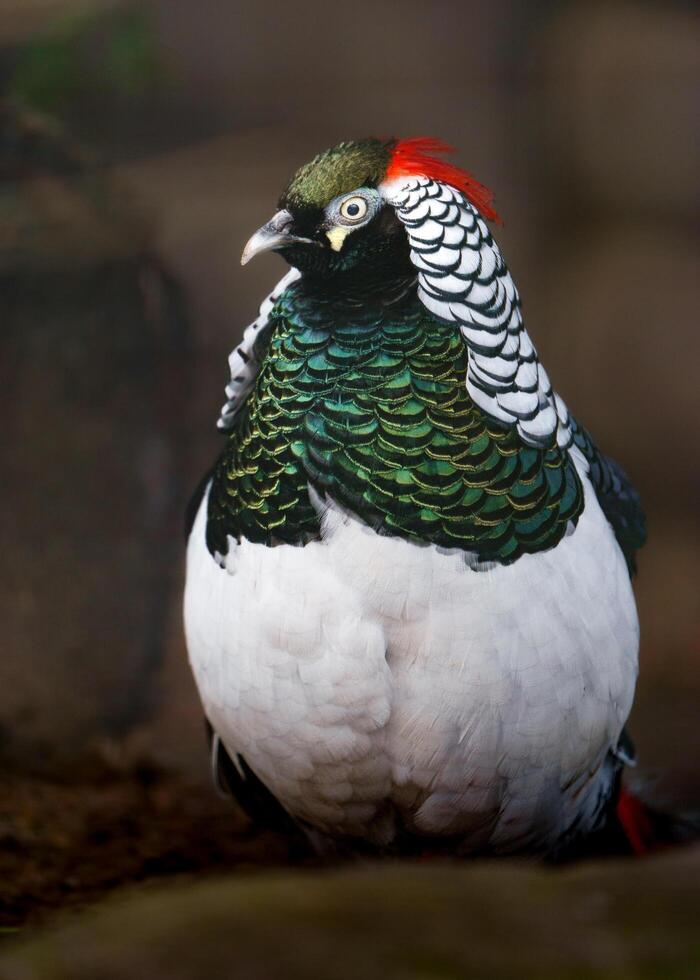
(618,499)
(235,778)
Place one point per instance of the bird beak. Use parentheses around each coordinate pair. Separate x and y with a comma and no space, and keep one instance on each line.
(275,234)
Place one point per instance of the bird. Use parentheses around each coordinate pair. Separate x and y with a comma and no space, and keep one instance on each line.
(408,604)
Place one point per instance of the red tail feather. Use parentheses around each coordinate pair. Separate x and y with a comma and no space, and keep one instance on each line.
(635,822)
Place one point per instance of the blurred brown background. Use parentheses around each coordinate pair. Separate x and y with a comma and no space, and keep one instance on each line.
(167,131)
(140,145)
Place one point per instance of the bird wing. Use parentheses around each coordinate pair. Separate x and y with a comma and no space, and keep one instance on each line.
(245,359)
(616,495)
(234,777)
(244,363)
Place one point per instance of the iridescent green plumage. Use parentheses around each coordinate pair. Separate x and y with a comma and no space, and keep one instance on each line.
(367,403)
(338,170)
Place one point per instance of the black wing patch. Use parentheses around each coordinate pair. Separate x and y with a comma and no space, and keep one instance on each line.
(618,499)
(625,751)
(235,778)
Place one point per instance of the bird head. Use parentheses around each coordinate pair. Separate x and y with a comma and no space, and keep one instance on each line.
(377,210)
(336,213)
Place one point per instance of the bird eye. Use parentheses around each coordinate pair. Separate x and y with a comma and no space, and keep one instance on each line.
(353,209)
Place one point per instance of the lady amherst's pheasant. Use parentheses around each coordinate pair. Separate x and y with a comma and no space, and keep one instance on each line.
(408,605)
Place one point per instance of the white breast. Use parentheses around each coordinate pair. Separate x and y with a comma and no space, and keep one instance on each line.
(366,678)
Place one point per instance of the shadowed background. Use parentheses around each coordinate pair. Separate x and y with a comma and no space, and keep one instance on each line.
(142,143)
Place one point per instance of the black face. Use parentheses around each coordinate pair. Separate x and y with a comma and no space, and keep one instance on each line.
(335,203)
(375,246)
(333,220)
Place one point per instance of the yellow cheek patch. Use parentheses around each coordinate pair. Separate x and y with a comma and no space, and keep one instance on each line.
(336,236)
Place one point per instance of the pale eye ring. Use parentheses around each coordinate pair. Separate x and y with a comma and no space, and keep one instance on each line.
(353,209)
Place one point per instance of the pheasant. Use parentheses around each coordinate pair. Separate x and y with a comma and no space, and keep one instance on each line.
(408,605)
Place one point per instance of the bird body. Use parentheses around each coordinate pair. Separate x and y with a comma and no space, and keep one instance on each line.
(377,687)
(408,605)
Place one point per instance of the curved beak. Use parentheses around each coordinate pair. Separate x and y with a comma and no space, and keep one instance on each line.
(275,234)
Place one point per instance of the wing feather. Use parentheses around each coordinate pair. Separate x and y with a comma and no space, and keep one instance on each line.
(232,776)
(245,359)
(617,497)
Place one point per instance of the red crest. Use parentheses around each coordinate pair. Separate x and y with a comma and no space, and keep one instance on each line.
(416,158)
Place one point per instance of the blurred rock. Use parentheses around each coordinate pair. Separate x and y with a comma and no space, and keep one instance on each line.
(113,820)
(93,385)
(620,919)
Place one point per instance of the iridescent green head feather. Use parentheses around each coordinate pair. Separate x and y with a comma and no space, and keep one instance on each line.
(339,170)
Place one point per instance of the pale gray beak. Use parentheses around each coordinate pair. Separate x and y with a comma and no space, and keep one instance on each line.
(275,234)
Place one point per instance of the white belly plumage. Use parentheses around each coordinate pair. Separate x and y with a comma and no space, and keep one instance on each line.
(373,684)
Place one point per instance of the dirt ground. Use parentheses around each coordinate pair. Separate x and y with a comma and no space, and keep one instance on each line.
(71,838)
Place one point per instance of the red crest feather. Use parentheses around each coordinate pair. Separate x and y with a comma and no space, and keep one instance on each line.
(415,158)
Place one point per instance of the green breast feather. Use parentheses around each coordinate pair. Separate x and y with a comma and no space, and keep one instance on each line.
(368,404)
